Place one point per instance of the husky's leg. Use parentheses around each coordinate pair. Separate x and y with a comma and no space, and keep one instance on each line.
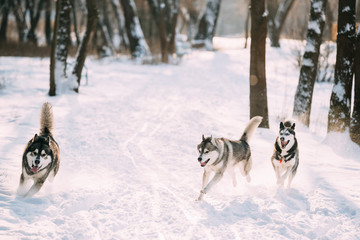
(291,177)
(277,173)
(205,180)
(35,188)
(212,182)
(233,176)
(245,169)
(285,175)
(51,176)
(22,185)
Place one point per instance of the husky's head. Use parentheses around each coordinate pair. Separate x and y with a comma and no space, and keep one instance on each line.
(286,134)
(39,154)
(208,152)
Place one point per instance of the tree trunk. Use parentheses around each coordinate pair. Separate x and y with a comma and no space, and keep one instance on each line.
(308,71)
(62,44)
(162,32)
(48,22)
(81,54)
(31,36)
(52,90)
(258,94)
(275,25)
(106,35)
(340,102)
(4,21)
(20,19)
(138,45)
(247,25)
(207,25)
(172,29)
(355,118)
(124,41)
(75,22)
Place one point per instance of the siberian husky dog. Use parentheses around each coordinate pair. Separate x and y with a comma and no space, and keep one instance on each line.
(220,154)
(41,157)
(285,159)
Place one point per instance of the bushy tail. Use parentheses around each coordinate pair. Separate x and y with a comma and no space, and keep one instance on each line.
(46,119)
(250,128)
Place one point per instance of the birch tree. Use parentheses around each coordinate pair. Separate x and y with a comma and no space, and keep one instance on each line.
(308,71)
(258,91)
(207,24)
(340,102)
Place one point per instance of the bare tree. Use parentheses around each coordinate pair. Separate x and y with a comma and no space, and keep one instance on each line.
(52,90)
(124,41)
(355,118)
(276,23)
(59,51)
(47,26)
(165,13)
(258,91)
(34,18)
(81,54)
(138,45)
(207,24)
(308,71)
(247,24)
(340,102)
(4,21)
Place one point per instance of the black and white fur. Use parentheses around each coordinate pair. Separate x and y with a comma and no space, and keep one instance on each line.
(41,157)
(285,159)
(220,154)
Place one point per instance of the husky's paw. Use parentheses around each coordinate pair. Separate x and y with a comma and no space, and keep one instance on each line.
(21,191)
(201,196)
(248,178)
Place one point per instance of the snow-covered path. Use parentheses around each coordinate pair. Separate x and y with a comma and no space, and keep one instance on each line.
(129,165)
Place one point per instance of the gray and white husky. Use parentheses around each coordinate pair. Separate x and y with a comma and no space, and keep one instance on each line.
(41,157)
(220,154)
(285,159)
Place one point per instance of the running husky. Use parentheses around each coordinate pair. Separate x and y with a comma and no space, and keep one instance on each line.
(285,159)
(220,154)
(41,156)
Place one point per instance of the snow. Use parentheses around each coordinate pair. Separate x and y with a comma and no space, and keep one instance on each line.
(129,165)
(314,25)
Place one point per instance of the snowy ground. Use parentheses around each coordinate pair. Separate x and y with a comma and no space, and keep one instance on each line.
(129,165)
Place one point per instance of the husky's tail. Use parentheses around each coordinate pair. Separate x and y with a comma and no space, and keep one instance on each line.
(250,128)
(46,119)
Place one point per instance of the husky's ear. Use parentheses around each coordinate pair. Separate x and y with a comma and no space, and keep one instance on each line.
(34,138)
(293,126)
(282,126)
(203,138)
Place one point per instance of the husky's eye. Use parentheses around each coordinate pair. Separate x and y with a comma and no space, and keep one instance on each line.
(33,153)
(199,150)
(287,134)
(206,151)
(43,155)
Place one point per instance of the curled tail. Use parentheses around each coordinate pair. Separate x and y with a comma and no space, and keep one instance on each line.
(46,119)
(250,128)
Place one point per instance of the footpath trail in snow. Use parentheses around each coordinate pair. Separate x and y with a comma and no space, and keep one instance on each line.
(129,165)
